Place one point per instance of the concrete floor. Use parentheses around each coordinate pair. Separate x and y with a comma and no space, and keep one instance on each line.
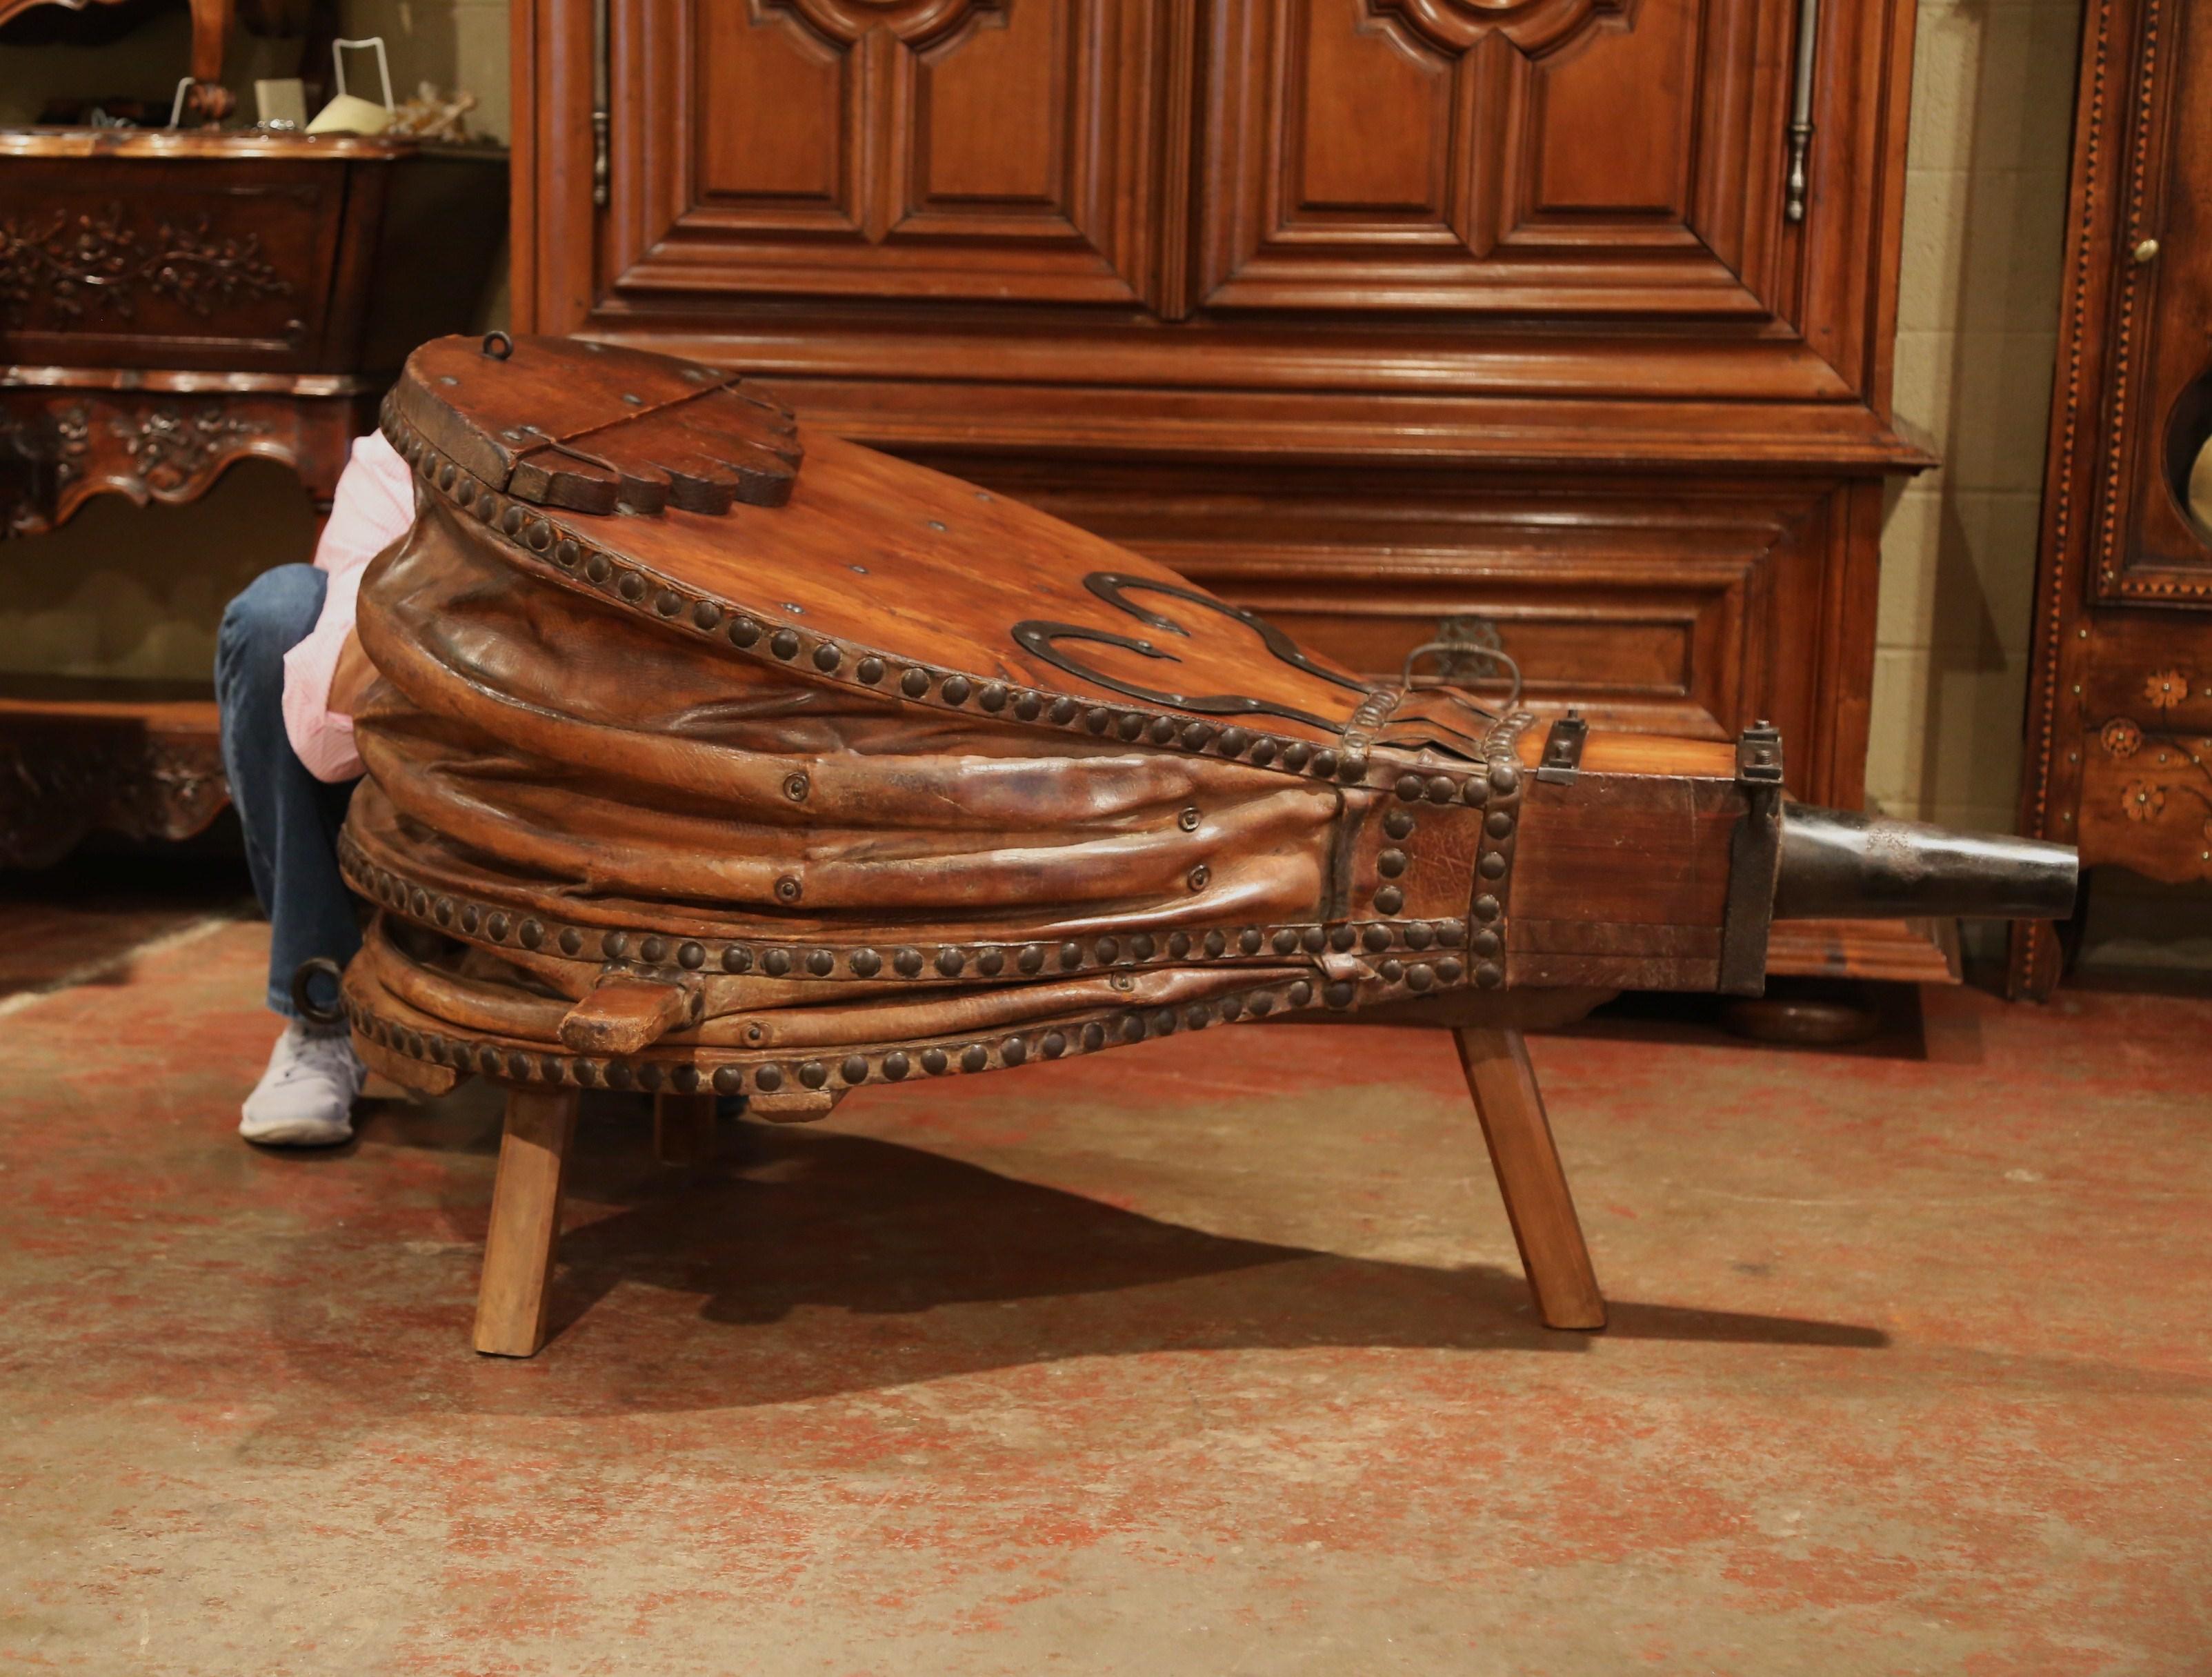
(1210,1356)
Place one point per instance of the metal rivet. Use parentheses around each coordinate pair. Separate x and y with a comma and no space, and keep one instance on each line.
(1179,945)
(1096,719)
(1032,957)
(1503,777)
(896,1065)
(1247,940)
(1013,1051)
(821,963)
(1109,950)
(632,585)
(496,927)
(728,1080)
(1161,1024)
(1442,790)
(1490,974)
(827,658)
(668,603)
(777,962)
(1313,940)
(1054,1045)
(1094,1036)
(1486,943)
(1261,1004)
(1071,955)
(1028,706)
(1485,907)
(954,690)
(1063,711)
(1392,971)
(974,1057)
(1408,787)
(784,643)
(648,1076)
(470,914)
(993,698)
(950,962)
(1132,1028)
(865,962)
(871,670)
(1199,878)
(855,1070)
(540,535)
(1324,762)
(796,787)
(1377,938)
(1390,899)
(1141,947)
(769,1079)
(620,1076)
(915,683)
(1233,742)
(1352,769)
(744,631)
(1390,863)
(1418,935)
(1189,818)
(653,951)
(1131,724)
(1493,866)
(1341,937)
(614,945)
(1262,752)
(706,614)
(736,958)
(1286,942)
(1195,736)
(1421,976)
(787,888)
(1231,1007)
(442,911)
(1498,823)
(511,520)
(1337,994)
(991,961)
(1296,753)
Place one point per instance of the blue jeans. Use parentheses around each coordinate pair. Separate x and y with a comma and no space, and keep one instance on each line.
(291,818)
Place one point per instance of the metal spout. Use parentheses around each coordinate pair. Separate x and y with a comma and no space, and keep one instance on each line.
(1838,865)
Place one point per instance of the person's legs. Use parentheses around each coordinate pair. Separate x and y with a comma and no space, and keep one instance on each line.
(291,822)
(291,818)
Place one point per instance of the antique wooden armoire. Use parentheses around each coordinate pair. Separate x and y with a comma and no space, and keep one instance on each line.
(2119,754)
(1561,326)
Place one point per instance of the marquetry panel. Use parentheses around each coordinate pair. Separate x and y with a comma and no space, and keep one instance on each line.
(1604,156)
(1004,149)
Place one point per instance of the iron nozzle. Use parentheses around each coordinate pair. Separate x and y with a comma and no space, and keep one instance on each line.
(1838,865)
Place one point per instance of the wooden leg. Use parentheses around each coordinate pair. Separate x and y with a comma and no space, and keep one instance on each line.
(682,1128)
(1542,1211)
(525,1222)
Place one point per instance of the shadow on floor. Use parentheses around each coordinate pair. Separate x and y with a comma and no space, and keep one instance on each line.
(807,1262)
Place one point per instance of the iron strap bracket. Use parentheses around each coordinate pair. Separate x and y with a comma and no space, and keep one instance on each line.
(1754,862)
(1563,751)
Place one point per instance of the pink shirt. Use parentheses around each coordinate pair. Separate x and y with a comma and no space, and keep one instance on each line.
(372,509)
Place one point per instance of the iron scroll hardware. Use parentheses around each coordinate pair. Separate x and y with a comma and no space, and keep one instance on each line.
(1041,637)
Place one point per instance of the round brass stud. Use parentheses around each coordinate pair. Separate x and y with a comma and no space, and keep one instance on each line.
(1299,993)
(896,1065)
(615,945)
(821,963)
(1286,942)
(669,603)
(1247,940)
(1486,943)
(1390,863)
(1054,1045)
(729,1080)
(991,961)
(1028,707)
(855,1070)
(915,683)
(1490,974)
(1498,823)
(706,614)
(993,698)
(1296,753)
(632,585)
(827,658)
(1376,938)
(1342,939)
(531,932)
(1324,762)
(777,962)
(784,643)
(1503,777)
(1071,955)
(1163,730)
(1337,994)
(1196,736)
(1094,1036)
(1486,907)
(1233,742)
(1132,1027)
(1063,711)
(974,1057)
(1031,959)
(954,690)
(1389,900)
(736,958)
(1013,1051)
(1441,790)
(1131,724)
(950,962)
(1392,970)
(1419,934)
(907,961)
(1109,950)
(769,1079)
(1262,752)
(1492,866)
(871,670)
(1313,940)
(1141,947)
(744,631)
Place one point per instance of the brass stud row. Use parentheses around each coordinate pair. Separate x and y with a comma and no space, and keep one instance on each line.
(533,531)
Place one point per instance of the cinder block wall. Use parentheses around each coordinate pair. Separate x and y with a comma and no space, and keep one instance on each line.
(1977,313)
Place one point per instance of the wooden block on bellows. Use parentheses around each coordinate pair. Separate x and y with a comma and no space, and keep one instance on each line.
(624,1014)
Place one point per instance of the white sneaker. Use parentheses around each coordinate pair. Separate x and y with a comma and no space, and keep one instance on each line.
(305,1099)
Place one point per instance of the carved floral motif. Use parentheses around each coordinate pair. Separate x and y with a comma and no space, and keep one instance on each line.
(1535,27)
(2143,801)
(57,784)
(69,265)
(2121,737)
(172,446)
(2168,688)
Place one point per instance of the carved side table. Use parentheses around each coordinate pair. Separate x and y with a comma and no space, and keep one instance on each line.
(172,302)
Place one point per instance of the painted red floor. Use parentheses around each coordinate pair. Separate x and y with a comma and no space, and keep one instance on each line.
(1207,1357)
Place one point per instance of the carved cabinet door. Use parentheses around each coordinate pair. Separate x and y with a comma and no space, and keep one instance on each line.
(987,150)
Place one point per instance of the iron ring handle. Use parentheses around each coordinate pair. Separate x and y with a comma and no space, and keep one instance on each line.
(498,345)
(1460,649)
(311,1010)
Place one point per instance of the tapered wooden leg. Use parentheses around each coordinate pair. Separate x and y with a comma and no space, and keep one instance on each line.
(1542,1211)
(682,1128)
(525,1222)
